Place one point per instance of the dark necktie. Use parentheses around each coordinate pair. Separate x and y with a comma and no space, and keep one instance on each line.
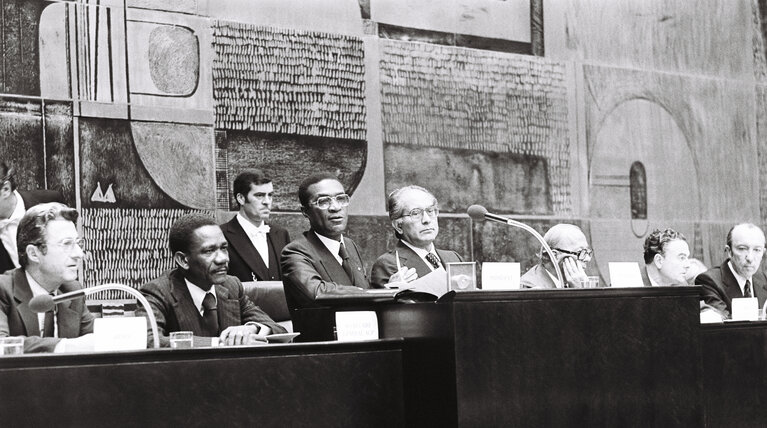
(431,258)
(48,329)
(346,264)
(747,289)
(210,315)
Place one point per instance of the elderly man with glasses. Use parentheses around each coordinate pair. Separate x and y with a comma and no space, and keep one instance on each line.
(50,252)
(413,212)
(572,252)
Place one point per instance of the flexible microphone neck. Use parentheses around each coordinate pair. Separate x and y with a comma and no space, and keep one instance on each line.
(480,213)
(46,302)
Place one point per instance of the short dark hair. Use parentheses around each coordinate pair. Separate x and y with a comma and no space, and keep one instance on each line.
(247,178)
(181,231)
(303,188)
(31,229)
(656,242)
(6,174)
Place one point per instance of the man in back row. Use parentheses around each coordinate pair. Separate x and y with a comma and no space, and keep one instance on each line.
(739,275)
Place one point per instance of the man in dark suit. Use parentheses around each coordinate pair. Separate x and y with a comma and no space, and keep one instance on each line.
(13,204)
(254,246)
(198,295)
(413,212)
(323,261)
(666,257)
(572,252)
(739,275)
(50,252)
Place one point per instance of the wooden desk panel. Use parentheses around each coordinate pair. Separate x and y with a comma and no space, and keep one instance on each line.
(311,385)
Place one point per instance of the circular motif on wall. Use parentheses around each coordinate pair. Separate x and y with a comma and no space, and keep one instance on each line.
(174,60)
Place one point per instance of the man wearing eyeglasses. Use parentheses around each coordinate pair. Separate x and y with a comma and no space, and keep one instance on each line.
(413,212)
(13,204)
(254,246)
(572,252)
(323,260)
(50,253)
(739,275)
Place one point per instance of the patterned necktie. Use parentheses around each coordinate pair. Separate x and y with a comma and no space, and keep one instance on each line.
(747,289)
(433,260)
(346,264)
(210,315)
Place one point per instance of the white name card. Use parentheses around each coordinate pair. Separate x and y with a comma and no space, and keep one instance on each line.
(356,325)
(500,276)
(119,334)
(625,274)
(745,309)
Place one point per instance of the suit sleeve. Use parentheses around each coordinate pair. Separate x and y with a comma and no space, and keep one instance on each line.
(249,312)
(31,343)
(154,295)
(301,277)
(383,269)
(713,295)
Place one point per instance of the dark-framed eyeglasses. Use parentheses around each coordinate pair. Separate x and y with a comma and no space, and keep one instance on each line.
(583,255)
(324,202)
(417,213)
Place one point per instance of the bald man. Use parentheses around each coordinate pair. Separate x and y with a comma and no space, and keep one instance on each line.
(572,253)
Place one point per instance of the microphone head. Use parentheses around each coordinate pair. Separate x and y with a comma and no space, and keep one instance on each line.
(477,212)
(42,303)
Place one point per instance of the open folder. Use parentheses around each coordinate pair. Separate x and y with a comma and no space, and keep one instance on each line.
(427,288)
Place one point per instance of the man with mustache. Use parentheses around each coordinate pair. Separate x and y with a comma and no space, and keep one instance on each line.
(739,275)
(198,295)
(50,252)
(413,212)
(254,246)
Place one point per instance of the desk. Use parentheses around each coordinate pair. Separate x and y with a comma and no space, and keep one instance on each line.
(734,377)
(296,385)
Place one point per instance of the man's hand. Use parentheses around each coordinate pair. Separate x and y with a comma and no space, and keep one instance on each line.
(573,272)
(242,335)
(85,343)
(402,276)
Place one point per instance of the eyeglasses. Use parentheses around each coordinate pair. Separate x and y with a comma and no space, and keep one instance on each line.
(583,255)
(324,202)
(417,213)
(68,245)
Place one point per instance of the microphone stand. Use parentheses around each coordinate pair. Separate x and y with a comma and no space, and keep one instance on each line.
(537,235)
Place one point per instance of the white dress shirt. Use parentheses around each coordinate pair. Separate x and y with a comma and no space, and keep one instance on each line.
(257,236)
(333,246)
(198,294)
(422,254)
(8,228)
(741,280)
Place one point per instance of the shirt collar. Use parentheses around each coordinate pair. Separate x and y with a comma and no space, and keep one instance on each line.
(553,278)
(17,214)
(420,251)
(198,294)
(251,229)
(37,289)
(741,280)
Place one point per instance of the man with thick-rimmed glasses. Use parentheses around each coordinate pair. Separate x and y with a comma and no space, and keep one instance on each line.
(50,252)
(572,252)
(413,212)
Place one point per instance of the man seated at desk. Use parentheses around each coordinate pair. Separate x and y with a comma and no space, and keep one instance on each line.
(666,257)
(50,252)
(413,212)
(323,260)
(739,274)
(572,252)
(198,295)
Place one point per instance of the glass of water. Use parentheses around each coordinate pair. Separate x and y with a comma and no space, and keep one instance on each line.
(181,339)
(12,345)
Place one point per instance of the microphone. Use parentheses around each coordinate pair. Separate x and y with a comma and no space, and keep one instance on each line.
(46,302)
(480,213)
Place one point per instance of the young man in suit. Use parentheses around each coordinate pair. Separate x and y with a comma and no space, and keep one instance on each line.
(254,246)
(739,275)
(413,212)
(13,204)
(50,252)
(198,295)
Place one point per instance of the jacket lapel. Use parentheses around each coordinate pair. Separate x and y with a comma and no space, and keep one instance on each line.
(187,315)
(245,248)
(409,258)
(728,279)
(333,270)
(22,293)
(68,318)
(228,308)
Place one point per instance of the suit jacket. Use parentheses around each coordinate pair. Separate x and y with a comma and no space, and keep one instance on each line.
(16,319)
(30,199)
(536,277)
(309,268)
(175,310)
(244,260)
(386,265)
(720,287)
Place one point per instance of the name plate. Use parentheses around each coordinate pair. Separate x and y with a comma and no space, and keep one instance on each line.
(500,276)
(625,274)
(745,309)
(119,334)
(356,325)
